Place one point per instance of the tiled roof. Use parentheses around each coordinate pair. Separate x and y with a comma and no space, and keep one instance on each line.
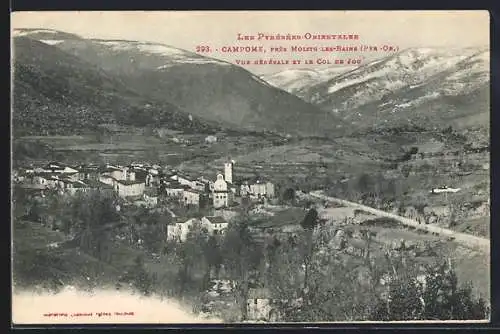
(174,185)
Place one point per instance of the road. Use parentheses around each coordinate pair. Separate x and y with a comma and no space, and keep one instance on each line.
(470,241)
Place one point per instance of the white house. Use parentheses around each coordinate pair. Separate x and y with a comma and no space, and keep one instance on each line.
(245,189)
(184,180)
(123,174)
(129,188)
(174,190)
(261,189)
(210,139)
(213,226)
(216,225)
(107,179)
(72,187)
(180,230)
(191,197)
(152,180)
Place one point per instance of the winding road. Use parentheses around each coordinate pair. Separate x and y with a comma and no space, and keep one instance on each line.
(470,241)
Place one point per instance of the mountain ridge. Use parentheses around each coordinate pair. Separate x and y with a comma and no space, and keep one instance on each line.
(207,88)
(411,85)
(55,91)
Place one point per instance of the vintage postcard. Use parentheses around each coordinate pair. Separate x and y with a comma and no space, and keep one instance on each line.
(242,167)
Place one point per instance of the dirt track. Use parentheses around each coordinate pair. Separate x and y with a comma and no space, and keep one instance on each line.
(467,240)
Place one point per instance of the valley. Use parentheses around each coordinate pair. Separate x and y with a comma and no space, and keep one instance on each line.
(186,170)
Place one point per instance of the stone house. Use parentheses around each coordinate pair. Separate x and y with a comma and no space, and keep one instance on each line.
(216,225)
(180,230)
(128,188)
(191,197)
(173,189)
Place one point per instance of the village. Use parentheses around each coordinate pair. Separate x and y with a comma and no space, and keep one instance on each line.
(213,203)
(150,187)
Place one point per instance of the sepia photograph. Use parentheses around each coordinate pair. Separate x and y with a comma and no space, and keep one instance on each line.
(179,167)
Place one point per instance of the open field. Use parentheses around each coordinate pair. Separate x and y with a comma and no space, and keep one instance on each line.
(123,147)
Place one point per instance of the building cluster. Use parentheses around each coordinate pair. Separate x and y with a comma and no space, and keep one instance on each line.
(144,181)
(148,185)
(223,192)
(128,182)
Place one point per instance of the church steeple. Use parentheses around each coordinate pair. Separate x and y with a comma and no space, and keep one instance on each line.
(228,171)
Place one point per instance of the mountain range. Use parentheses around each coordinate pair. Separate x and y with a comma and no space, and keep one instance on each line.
(296,81)
(67,83)
(61,76)
(424,86)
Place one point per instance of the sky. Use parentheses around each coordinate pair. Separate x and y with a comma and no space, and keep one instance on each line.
(218,30)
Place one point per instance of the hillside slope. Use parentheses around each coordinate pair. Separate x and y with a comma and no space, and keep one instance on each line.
(427,86)
(211,89)
(55,92)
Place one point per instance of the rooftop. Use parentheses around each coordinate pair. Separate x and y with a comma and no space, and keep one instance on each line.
(216,220)
(28,186)
(195,191)
(98,184)
(110,169)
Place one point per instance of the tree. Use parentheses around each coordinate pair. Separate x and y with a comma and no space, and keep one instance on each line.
(309,223)
(213,255)
(436,296)
(241,256)
(137,276)
(191,251)
(285,276)
(365,183)
(289,195)
(91,215)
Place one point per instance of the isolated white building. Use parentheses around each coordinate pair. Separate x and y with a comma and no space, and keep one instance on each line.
(210,139)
